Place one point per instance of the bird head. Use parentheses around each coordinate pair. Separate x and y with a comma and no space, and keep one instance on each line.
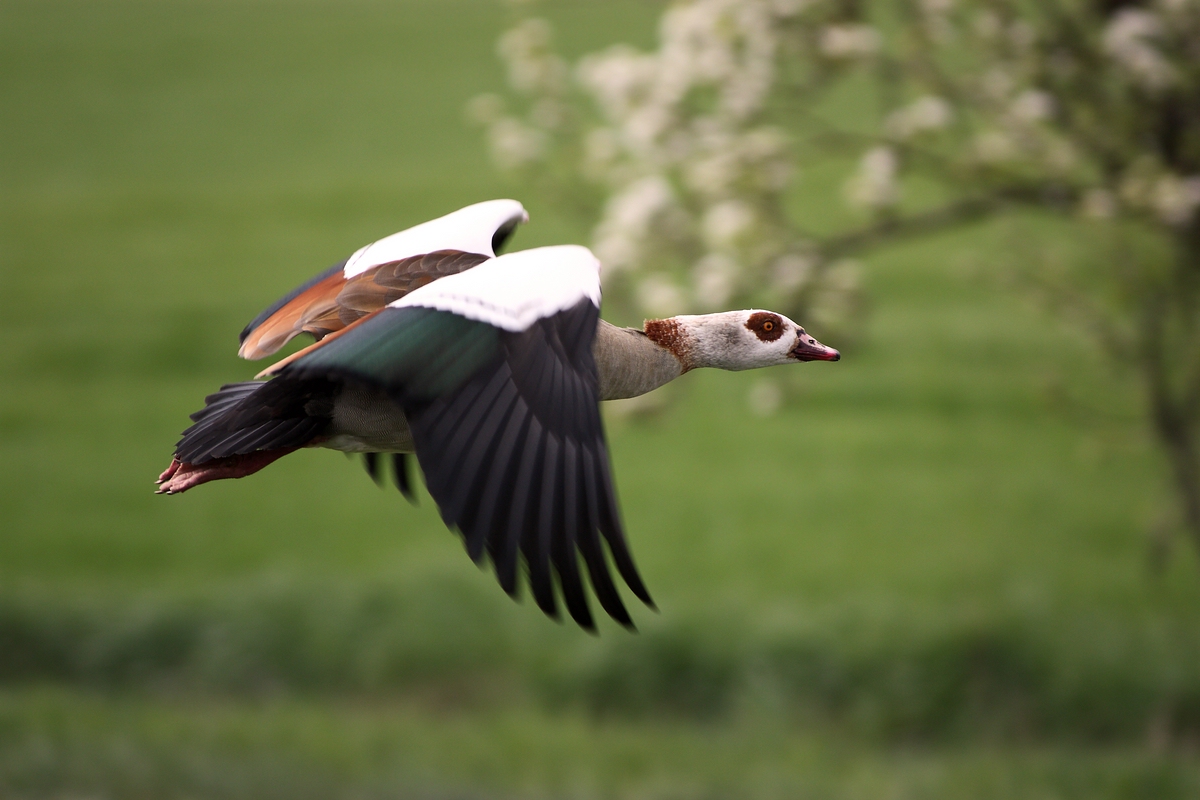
(737,340)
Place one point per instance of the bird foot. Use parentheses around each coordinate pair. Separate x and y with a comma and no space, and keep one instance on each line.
(181,476)
(169,471)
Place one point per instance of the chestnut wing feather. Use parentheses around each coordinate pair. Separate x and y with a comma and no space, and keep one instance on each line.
(329,302)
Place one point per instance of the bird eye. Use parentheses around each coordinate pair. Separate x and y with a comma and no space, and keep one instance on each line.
(768,326)
(812,341)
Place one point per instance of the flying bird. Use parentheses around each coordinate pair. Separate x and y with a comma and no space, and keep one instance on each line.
(490,370)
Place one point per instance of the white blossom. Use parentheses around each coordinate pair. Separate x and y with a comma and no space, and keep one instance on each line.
(630,217)
(618,78)
(1137,184)
(693,49)
(641,201)
(849,41)
(1175,198)
(716,160)
(788,8)
(515,144)
(937,6)
(643,130)
(791,271)
(836,295)
(601,152)
(531,65)
(1130,39)
(1176,6)
(874,184)
(547,113)
(1098,204)
(767,158)
(699,210)
(616,250)
(653,137)
(927,113)
(727,222)
(986,25)
(1059,155)
(994,146)
(528,35)
(484,109)
(726,44)
(1032,105)
(715,279)
(844,275)
(712,173)
(1022,35)
(659,296)
(937,21)
(997,84)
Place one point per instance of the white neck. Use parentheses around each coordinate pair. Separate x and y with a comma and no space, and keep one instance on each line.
(630,363)
(705,340)
(633,362)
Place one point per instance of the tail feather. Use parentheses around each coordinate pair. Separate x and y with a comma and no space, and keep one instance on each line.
(244,418)
(228,395)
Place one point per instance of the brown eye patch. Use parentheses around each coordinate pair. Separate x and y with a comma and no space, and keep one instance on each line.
(766,326)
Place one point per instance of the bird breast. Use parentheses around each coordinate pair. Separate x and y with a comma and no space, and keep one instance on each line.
(365,420)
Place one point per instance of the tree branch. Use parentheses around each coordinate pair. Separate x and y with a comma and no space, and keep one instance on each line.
(891,229)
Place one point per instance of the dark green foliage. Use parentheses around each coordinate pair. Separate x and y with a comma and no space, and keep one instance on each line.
(985,678)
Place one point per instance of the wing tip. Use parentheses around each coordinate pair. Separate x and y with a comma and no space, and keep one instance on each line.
(371,465)
(401,477)
(257,346)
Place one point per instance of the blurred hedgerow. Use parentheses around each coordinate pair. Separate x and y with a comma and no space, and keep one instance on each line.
(1088,110)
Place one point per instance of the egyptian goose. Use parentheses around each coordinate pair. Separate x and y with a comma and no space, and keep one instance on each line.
(490,370)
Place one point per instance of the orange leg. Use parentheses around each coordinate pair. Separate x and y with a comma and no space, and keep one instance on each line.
(181,476)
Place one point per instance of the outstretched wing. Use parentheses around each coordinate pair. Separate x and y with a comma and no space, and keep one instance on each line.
(383,272)
(495,372)
(330,301)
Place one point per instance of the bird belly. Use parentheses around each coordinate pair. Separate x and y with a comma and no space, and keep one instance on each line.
(365,420)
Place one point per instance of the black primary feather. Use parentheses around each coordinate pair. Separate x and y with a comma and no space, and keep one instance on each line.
(371,465)
(511,458)
(243,418)
(401,476)
(507,429)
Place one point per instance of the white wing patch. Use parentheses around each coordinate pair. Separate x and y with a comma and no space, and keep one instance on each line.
(517,289)
(469,229)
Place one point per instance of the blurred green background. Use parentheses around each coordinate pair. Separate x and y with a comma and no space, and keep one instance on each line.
(929,575)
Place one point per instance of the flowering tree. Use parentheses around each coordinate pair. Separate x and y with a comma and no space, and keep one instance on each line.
(1088,110)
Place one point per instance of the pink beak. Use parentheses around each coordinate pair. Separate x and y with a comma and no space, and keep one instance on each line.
(809,349)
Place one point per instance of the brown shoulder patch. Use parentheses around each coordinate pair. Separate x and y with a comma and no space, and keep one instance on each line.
(386,283)
(766,326)
(670,334)
(314,309)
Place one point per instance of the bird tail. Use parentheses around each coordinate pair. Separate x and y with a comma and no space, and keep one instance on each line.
(243,418)
(245,426)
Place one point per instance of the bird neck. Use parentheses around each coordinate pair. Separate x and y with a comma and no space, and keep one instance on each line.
(702,340)
(631,363)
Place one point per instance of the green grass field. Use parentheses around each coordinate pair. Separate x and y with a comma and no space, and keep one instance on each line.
(929,575)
